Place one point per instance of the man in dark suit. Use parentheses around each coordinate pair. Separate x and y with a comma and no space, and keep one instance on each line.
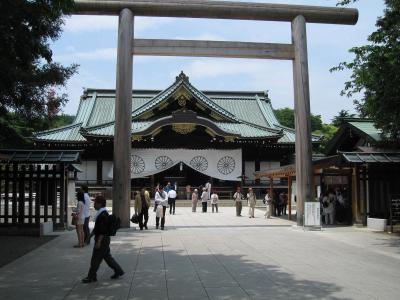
(101,249)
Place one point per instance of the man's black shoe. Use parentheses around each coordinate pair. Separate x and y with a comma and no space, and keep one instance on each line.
(88,280)
(162,228)
(145,227)
(117,275)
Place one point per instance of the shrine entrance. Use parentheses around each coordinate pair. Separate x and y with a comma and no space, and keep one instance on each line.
(297,15)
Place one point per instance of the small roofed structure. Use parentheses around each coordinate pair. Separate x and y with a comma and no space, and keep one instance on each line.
(34,188)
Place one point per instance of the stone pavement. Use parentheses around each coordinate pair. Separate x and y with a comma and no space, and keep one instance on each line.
(216,256)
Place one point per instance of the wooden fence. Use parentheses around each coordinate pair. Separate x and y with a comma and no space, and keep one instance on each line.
(31,194)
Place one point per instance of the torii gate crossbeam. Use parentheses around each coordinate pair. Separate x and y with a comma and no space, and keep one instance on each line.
(298,15)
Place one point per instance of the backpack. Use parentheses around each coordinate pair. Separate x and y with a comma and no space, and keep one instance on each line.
(114,223)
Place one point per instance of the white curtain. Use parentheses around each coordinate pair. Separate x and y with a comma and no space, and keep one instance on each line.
(221,164)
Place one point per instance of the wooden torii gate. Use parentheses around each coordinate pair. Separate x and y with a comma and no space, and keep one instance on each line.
(298,15)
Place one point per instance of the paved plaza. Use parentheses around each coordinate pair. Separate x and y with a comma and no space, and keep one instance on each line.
(216,256)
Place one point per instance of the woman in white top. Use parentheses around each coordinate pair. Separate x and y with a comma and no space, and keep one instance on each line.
(204,199)
(195,199)
(268,205)
(251,202)
(79,215)
(214,201)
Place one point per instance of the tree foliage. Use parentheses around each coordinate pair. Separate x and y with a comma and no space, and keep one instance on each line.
(339,118)
(29,77)
(374,85)
(15,130)
(286,118)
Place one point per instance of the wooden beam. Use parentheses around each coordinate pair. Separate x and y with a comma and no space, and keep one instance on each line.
(220,10)
(123,120)
(160,47)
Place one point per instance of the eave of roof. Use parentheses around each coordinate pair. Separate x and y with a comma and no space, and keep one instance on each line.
(41,156)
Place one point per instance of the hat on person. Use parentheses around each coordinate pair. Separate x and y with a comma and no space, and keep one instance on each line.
(100,199)
(195,190)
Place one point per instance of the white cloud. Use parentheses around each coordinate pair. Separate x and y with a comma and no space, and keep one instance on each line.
(78,82)
(100,54)
(90,23)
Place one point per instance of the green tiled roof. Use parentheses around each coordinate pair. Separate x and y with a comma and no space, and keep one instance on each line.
(41,156)
(69,133)
(247,114)
(368,128)
(371,158)
(108,129)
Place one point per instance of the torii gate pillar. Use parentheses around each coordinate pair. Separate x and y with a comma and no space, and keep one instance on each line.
(304,170)
(123,119)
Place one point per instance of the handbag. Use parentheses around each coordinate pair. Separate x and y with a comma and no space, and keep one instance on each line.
(135,219)
(74,220)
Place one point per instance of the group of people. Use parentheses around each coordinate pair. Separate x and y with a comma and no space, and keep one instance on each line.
(334,207)
(81,215)
(205,196)
(251,198)
(100,232)
(162,197)
(276,203)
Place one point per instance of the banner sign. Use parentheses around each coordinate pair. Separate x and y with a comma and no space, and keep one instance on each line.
(221,164)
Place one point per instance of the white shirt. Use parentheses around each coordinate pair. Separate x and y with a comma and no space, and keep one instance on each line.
(204,196)
(238,196)
(172,194)
(161,198)
(99,212)
(86,209)
(214,198)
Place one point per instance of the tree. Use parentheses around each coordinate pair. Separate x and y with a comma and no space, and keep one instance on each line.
(375,81)
(28,74)
(338,120)
(285,116)
(326,132)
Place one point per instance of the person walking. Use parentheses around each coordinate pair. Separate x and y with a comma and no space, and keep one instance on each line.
(204,199)
(208,188)
(156,189)
(284,202)
(161,198)
(214,201)
(171,200)
(86,212)
(101,249)
(142,204)
(188,192)
(195,199)
(79,216)
(268,205)
(251,202)
(238,197)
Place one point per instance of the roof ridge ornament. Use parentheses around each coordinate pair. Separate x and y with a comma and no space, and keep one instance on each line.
(182,76)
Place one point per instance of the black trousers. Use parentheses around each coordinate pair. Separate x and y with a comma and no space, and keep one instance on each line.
(172,205)
(86,230)
(103,253)
(162,219)
(144,214)
(204,206)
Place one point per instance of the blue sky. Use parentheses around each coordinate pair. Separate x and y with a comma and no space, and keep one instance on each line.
(91,41)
